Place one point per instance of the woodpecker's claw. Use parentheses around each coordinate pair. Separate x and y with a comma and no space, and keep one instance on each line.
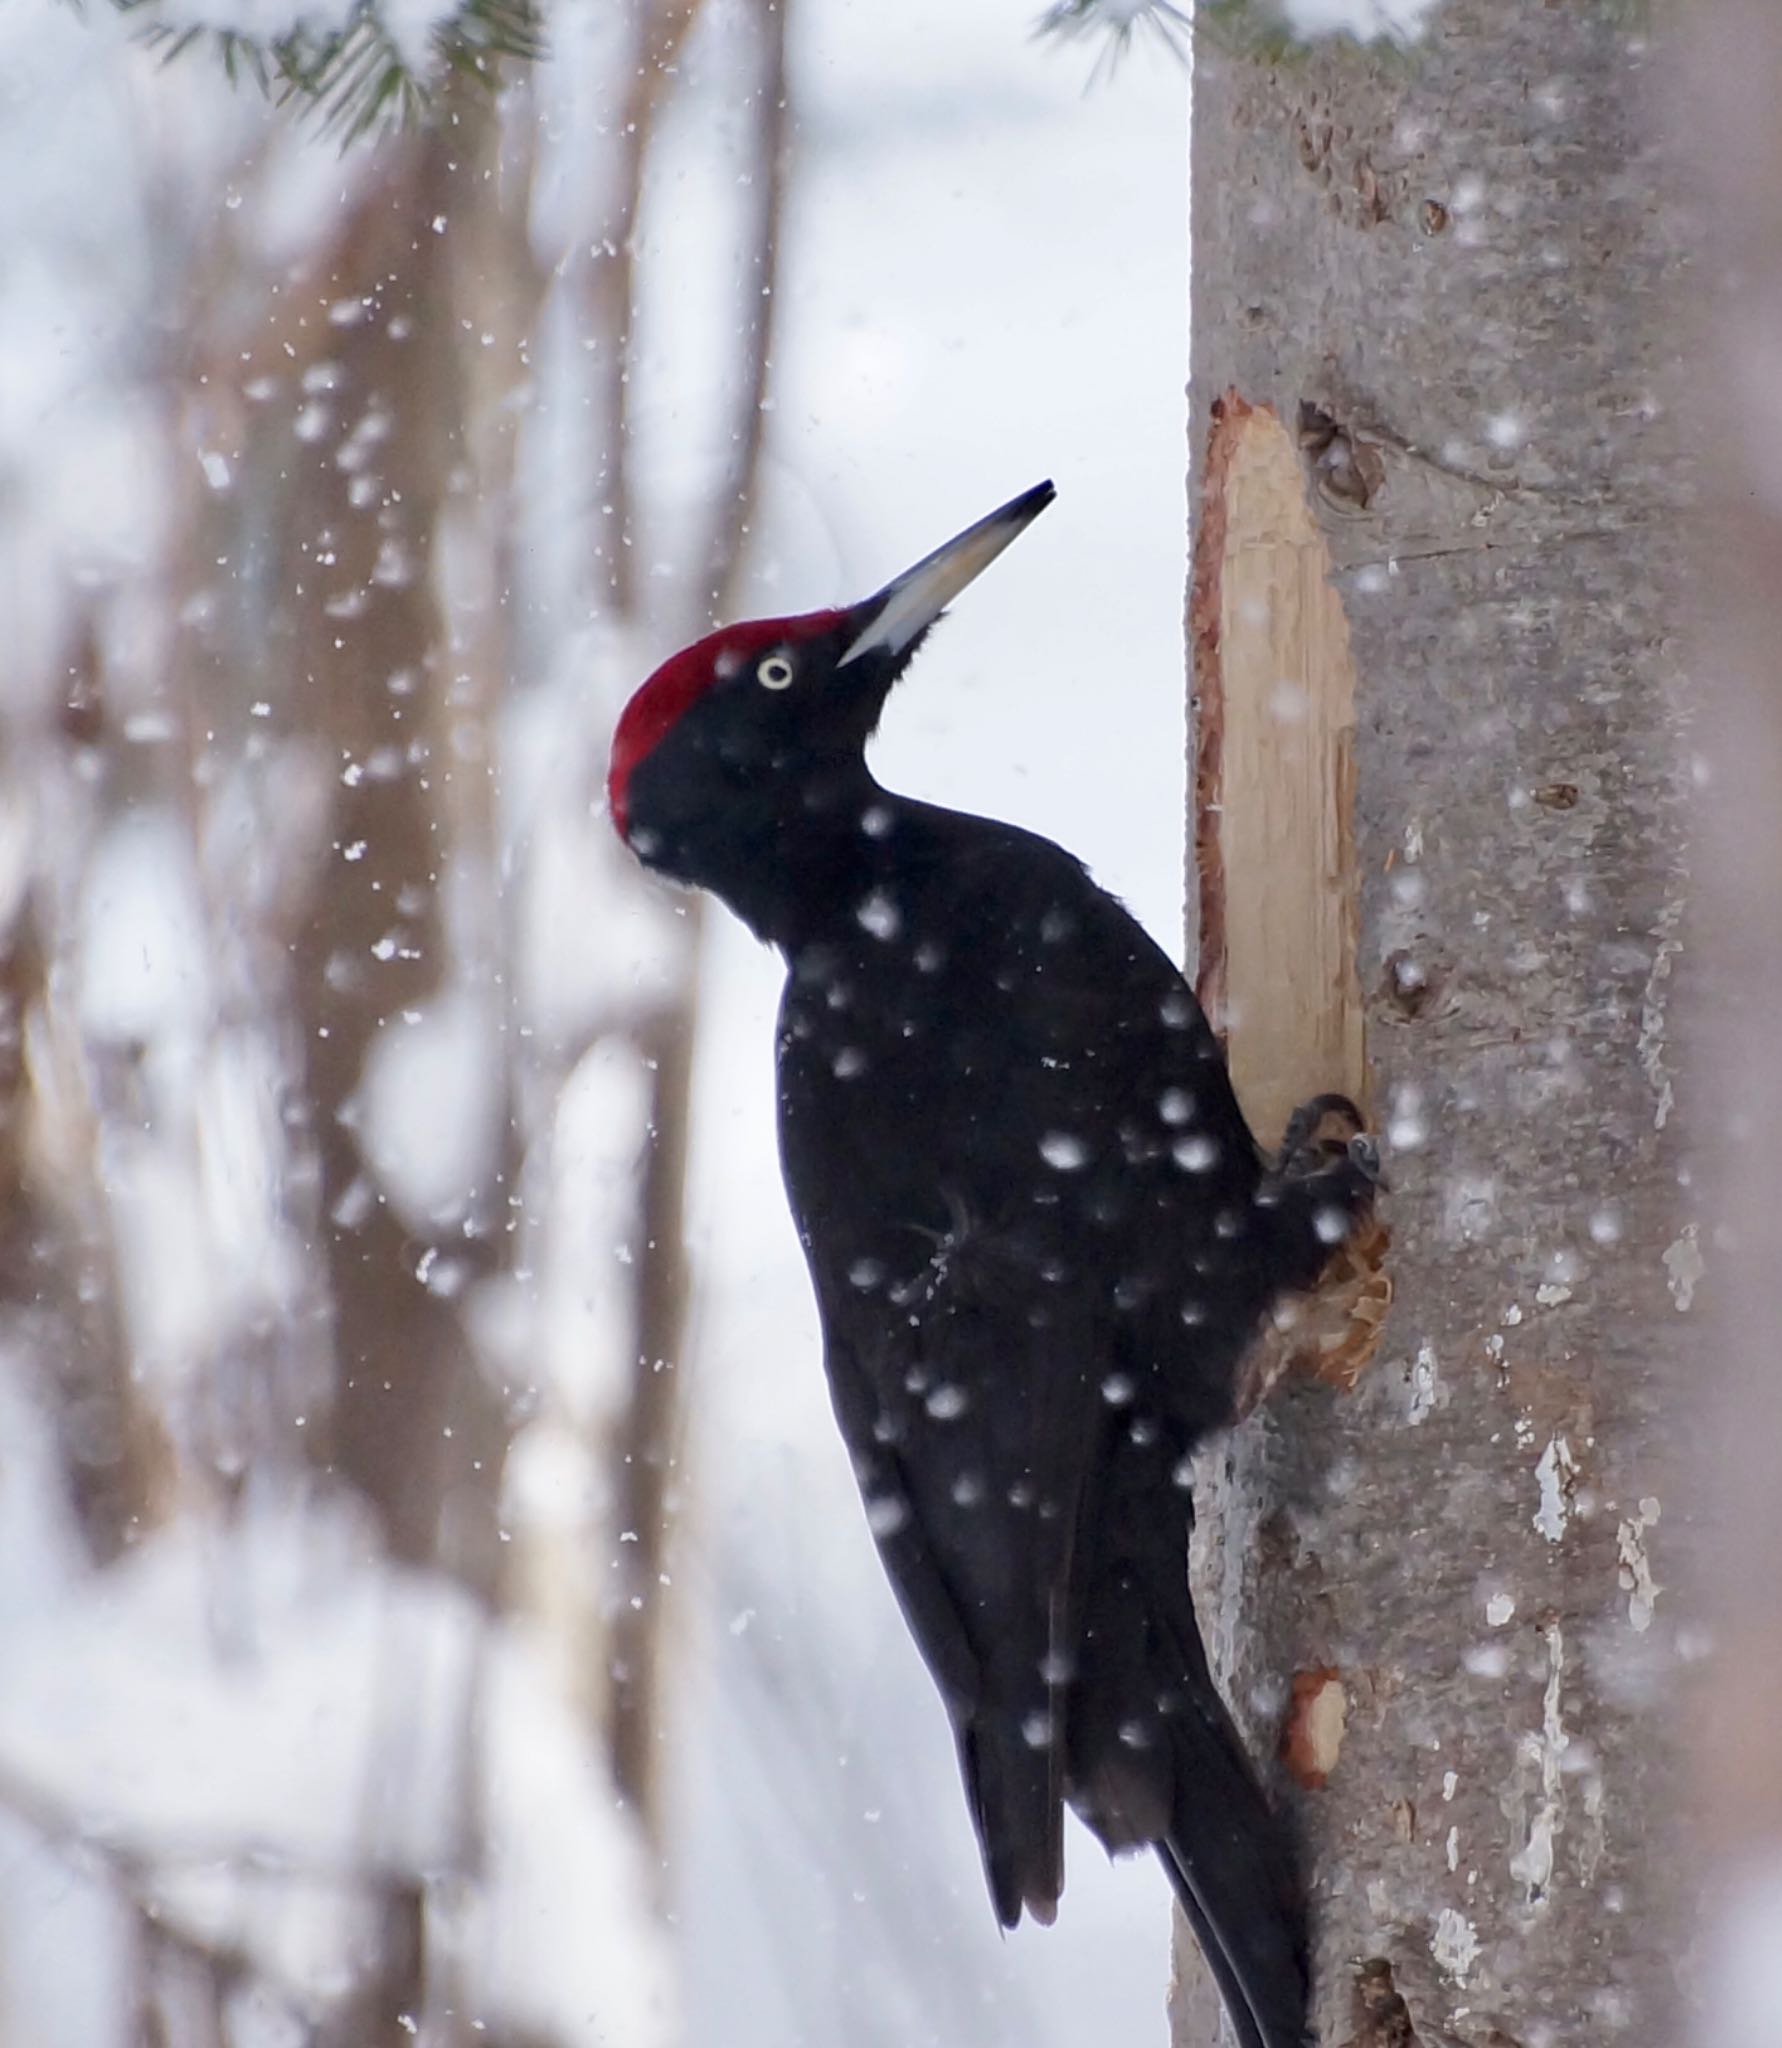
(1317,1132)
(1365,1152)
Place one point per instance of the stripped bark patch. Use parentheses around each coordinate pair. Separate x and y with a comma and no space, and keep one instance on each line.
(1274,777)
(1317,1716)
(1274,795)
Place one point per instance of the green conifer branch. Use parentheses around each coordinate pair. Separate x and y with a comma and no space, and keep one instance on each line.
(357,78)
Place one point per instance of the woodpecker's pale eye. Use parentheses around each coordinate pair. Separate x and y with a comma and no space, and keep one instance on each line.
(774,673)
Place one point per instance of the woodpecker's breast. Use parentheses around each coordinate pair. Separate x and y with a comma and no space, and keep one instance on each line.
(936,1058)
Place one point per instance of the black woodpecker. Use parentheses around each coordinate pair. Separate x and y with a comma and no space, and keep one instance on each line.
(1042,1238)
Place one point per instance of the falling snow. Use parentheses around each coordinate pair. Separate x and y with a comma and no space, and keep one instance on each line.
(1064,1151)
(878,914)
(886,1514)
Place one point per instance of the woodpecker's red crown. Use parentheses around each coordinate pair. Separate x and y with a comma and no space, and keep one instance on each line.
(674,688)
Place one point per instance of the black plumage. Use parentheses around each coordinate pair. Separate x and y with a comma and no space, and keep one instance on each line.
(1041,1237)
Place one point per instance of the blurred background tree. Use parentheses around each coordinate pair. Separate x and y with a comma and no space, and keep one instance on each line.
(314,1129)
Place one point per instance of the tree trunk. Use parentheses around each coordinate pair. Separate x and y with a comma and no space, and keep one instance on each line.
(1429,363)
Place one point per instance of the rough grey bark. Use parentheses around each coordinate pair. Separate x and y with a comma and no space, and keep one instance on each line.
(1447,271)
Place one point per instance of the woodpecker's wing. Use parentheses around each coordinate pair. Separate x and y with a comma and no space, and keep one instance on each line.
(971,1434)
(980,1092)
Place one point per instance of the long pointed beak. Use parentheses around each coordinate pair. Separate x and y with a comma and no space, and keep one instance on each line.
(911,603)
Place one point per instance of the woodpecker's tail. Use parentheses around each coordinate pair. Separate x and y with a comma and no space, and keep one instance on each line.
(1156,1760)
(1015,1802)
(1233,1864)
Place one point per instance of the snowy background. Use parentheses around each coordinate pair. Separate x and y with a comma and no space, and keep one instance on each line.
(279,1762)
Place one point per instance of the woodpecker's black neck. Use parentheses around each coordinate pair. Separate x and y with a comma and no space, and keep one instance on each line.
(795,857)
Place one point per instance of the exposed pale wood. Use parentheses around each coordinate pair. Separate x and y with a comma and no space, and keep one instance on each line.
(1275,780)
(1274,795)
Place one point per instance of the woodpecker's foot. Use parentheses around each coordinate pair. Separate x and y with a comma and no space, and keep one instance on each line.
(1330,1332)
